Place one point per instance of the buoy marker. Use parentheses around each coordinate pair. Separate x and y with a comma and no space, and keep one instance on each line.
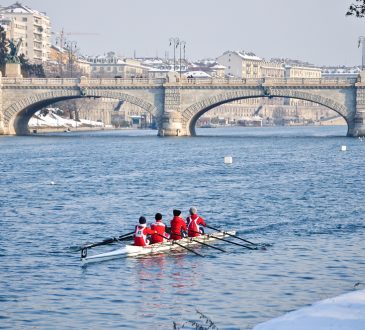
(228,160)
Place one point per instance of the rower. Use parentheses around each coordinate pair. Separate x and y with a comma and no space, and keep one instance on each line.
(141,232)
(159,228)
(194,222)
(178,225)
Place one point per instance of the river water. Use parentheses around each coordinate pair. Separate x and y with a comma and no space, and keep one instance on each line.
(292,188)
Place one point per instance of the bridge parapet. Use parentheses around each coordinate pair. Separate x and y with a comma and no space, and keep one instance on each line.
(21,82)
(257,82)
(184,82)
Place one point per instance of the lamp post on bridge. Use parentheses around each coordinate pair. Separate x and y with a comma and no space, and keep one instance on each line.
(182,43)
(362,43)
(71,47)
(175,42)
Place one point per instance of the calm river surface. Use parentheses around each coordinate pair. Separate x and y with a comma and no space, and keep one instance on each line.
(290,187)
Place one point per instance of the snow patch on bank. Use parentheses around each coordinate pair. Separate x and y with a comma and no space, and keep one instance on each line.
(53,120)
(345,312)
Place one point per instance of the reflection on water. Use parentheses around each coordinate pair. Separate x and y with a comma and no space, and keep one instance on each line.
(290,187)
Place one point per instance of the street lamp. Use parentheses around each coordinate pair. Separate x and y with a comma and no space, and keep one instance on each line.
(71,47)
(175,42)
(182,43)
(362,43)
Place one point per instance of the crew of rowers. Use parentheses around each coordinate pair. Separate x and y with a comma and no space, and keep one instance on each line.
(157,231)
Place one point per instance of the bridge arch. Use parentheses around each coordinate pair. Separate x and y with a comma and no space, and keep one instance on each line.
(17,115)
(192,113)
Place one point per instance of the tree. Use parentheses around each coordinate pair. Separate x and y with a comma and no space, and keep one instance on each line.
(31,70)
(357,9)
(3,49)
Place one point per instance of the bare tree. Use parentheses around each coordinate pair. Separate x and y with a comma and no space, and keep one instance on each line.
(357,9)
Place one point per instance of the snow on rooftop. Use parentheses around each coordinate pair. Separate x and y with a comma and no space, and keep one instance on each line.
(217,66)
(344,312)
(197,74)
(248,56)
(18,8)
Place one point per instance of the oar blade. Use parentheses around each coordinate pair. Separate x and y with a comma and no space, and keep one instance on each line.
(235,236)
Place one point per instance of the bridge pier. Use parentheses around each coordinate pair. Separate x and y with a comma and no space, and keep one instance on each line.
(172,125)
(2,130)
(357,127)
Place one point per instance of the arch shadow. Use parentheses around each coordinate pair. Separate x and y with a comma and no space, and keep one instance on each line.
(17,116)
(194,112)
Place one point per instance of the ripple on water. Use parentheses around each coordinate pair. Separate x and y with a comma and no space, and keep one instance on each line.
(280,190)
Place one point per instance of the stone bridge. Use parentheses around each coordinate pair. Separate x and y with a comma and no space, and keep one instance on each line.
(175,103)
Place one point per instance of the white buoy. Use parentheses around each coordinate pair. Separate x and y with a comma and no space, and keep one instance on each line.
(343,148)
(228,160)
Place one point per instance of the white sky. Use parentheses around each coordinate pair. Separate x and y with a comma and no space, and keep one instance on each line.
(316,31)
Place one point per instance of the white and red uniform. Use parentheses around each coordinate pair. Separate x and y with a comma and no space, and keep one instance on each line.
(177,225)
(193,225)
(140,235)
(160,227)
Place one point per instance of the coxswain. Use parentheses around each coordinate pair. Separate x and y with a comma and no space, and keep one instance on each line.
(194,222)
(178,225)
(141,232)
(159,228)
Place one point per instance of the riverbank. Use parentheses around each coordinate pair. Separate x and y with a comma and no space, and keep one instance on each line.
(67,130)
(344,312)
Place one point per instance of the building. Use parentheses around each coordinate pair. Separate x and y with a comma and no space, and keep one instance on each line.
(113,66)
(340,72)
(8,25)
(209,66)
(241,64)
(32,26)
(302,72)
(66,64)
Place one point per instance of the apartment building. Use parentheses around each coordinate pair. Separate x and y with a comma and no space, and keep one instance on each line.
(302,72)
(111,66)
(32,26)
(245,65)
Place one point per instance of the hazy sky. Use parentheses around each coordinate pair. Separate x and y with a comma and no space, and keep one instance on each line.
(311,30)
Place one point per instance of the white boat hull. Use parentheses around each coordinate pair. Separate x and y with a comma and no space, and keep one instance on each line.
(132,250)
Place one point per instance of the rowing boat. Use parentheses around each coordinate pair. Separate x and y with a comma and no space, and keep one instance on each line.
(132,250)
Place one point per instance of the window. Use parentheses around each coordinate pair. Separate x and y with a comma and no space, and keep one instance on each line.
(24,19)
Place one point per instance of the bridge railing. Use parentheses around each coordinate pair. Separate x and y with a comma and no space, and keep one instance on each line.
(269,81)
(310,81)
(121,81)
(82,81)
(223,81)
(41,81)
(184,81)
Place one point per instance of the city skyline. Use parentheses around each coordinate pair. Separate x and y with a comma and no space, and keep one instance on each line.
(319,33)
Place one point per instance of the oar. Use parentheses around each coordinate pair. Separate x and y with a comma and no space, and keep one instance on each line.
(185,247)
(106,241)
(214,247)
(245,240)
(226,240)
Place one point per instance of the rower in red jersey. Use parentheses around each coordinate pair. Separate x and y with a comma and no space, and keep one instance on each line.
(141,232)
(177,226)
(159,228)
(194,222)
